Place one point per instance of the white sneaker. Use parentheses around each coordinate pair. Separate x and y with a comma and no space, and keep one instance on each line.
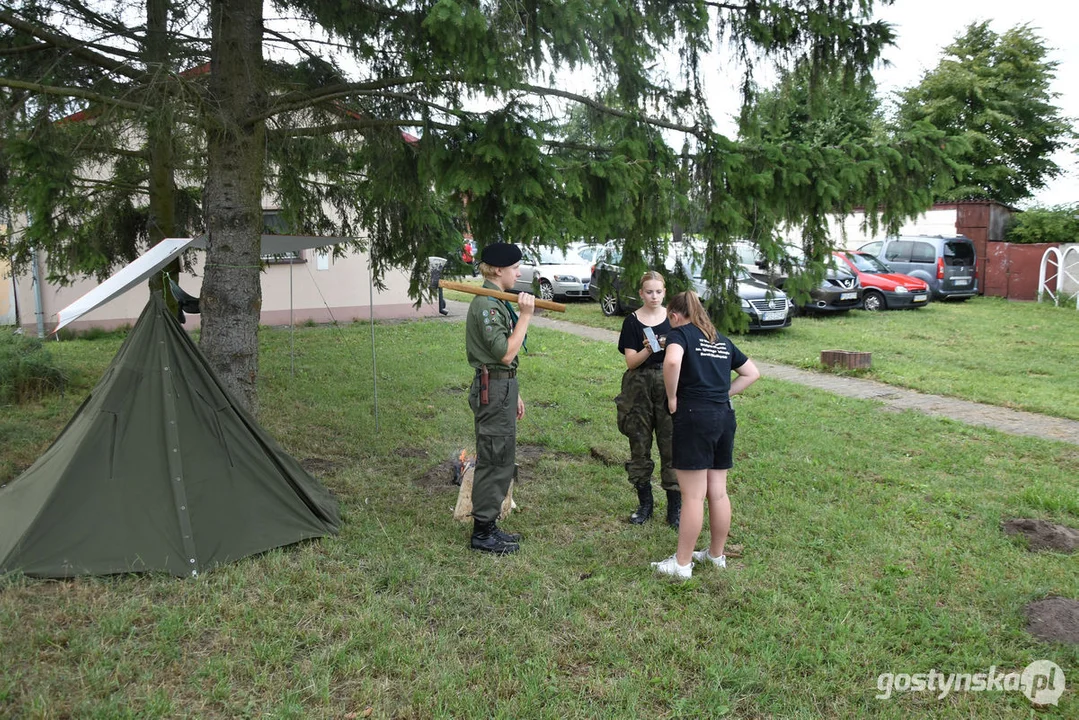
(705,556)
(671,567)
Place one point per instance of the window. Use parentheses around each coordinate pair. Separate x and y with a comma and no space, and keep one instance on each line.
(872,248)
(958,253)
(899,251)
(923,252)
(274,224)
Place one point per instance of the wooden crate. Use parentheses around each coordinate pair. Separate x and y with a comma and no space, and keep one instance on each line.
(846,359)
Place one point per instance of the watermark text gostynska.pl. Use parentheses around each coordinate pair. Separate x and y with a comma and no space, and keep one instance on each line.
(1042,682)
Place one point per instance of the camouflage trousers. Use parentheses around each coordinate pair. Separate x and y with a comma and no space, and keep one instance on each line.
(496,446)
(642,412)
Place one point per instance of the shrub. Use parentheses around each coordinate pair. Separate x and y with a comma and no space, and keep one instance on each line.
(1059,224)
(27,370)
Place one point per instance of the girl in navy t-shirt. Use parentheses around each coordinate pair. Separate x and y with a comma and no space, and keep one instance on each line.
(697,378)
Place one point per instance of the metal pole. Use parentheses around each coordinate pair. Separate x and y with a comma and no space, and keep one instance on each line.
(291,324)
(40,312)
(374,370)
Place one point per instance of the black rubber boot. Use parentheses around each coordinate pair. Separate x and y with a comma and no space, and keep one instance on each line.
(644,512)
(674,508)
(484,539)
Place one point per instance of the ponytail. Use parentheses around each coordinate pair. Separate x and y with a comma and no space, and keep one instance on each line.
(688,304)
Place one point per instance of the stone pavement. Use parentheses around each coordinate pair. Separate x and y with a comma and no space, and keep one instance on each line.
(1015,422)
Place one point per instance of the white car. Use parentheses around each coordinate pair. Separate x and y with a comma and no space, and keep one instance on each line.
(554,273)
(588,251)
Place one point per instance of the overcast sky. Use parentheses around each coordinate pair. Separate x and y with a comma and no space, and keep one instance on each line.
(925,27)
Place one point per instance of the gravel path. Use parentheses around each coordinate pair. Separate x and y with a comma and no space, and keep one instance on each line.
(1015,422)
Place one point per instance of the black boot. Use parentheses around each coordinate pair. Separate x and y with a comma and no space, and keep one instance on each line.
(507,537)
(644,512)
(484,539)
(674,508)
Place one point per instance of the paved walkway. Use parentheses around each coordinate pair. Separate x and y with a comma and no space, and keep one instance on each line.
(1015,422)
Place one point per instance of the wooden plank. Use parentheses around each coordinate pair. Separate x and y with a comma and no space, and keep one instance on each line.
(512,297)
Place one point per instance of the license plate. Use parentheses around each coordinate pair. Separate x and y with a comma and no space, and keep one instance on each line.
(961,281)
(848,296)
(773,315)
(920,298)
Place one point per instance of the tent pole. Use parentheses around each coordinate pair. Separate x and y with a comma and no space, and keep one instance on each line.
(374,372)
(291,324)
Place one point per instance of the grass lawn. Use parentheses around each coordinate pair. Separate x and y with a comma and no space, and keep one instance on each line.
(861,557)
(1013,354)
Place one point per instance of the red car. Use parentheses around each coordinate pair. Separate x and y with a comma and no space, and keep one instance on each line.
(884,289)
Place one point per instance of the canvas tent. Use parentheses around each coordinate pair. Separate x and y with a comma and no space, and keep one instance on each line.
(159,470)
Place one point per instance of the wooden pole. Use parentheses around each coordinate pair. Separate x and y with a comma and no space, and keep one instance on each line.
(512,297)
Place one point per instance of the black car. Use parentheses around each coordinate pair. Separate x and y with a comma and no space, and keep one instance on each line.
(838,292)
(767,307)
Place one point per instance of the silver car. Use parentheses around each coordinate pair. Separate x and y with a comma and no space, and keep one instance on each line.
(554,273)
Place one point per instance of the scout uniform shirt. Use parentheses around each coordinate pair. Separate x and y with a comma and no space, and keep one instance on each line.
(487,331)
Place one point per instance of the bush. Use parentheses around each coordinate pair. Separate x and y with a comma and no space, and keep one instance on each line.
(1059,224)
(27,370)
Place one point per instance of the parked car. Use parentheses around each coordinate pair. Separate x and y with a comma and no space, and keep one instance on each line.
(838,292)
(883,289)
(553,273)
(946,264)
(587,251)
(767,307)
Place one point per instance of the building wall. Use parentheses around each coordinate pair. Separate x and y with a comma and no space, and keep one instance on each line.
(937,221)
(322,289)
(7,294)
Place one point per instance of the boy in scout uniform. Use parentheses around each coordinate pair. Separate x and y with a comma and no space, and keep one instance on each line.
(493,337)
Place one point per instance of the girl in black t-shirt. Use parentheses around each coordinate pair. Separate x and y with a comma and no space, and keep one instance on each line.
(697,377)
(642,404)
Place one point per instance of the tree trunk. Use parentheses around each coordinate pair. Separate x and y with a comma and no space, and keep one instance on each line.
(231,299)
(161,184)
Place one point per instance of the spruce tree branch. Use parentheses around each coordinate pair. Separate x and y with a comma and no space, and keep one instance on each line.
(74,92)
(301,100)
(79,8)
(76,47)
(600,107)
(357,124)
(38,47)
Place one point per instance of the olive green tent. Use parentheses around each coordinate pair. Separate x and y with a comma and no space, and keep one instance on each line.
(158,470)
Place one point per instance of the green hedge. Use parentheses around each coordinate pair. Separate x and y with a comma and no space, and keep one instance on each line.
(1059,224)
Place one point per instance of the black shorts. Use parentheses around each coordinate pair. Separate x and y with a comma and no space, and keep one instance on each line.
(704,437)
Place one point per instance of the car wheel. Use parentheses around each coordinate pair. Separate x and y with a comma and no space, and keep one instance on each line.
(546,290)
(609,304)
(873,301)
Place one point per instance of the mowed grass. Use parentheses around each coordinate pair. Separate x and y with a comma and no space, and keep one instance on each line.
(1017,355)
(871,545)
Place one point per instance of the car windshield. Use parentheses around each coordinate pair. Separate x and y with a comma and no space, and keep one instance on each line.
(558,257)
(868,264)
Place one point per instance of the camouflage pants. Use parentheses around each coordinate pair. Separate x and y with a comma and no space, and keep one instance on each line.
(642,412)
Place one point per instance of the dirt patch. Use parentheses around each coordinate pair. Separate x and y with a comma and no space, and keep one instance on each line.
(411,452)
(321,466)
(606,457)
(1043,535)
(1054,619)
(440,477)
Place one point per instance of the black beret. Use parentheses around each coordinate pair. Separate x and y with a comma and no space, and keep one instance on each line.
(501,255)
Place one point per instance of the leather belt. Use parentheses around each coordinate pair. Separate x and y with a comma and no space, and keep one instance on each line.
(500,374)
